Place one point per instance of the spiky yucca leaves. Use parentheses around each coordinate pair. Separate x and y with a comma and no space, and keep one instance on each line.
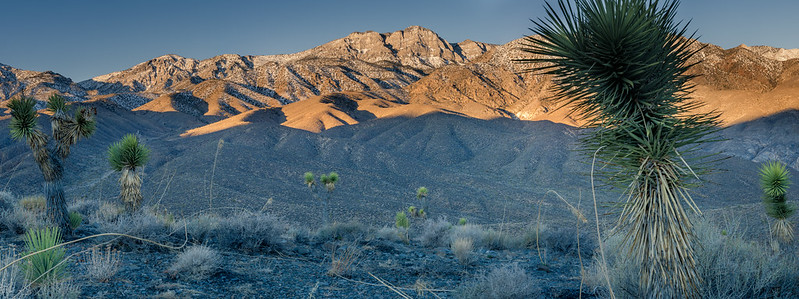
(310,180)
(622,67)
(68,130)
(421,194)
(126,156)
(329,180)
(47,266)
(50,153)
(774,179)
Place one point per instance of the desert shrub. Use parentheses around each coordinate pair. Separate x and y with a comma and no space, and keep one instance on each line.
(195,263)
(107,212)
(201,228)
(35,203)
(564,239)
(12,284)
(508,281)
(249,231)
(86,208)
(389,234)
(348,231)
(462,221)
(7,200)
(101,265)
(463,249)
(47,266)
(729,265)
(469,231)
(143,224)
(64,289)
(18,220)
(434,233)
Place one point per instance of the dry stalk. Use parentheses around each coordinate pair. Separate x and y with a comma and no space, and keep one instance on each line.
(598,235)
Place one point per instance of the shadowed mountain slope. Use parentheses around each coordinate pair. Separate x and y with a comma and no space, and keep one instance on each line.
(481,169)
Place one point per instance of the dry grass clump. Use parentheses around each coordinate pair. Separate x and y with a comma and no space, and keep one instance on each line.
(107,212)
(343,259)
(12,282)
(101,265)
(463,249)
(729,265)
(18,220)
(64,289)
(36,204)
(348,231)
(195,263)
(469,231)
(508,281)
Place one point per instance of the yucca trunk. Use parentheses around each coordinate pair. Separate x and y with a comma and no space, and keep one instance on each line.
(783,229)
(50,163)
(660,232)
(130,191)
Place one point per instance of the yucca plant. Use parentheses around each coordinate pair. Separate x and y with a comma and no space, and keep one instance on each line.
(127,156)
(622,66)
(329,182)
(421,195)
(50,152)
(46,266)
(774,179)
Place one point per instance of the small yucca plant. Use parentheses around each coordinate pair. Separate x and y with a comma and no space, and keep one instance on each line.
(402,222)
(127,156)
(49,153)
(421,195)
(47,266)
(327,180)
(774,179)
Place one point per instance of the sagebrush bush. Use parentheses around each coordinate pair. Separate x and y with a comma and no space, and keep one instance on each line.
(348,231)
(250,231)
(435,233)
(564,239)
(508,281)
(7,200)
(143,224)
(195,263)
(18,220)
(389,233)
(202,228)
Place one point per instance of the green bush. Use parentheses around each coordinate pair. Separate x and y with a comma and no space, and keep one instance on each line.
(47,266)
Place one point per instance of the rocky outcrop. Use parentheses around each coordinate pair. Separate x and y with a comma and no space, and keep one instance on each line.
(39,85)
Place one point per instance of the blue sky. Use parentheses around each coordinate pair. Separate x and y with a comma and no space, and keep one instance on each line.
(83,39)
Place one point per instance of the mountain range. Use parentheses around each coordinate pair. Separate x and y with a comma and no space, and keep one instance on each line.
(390,111)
